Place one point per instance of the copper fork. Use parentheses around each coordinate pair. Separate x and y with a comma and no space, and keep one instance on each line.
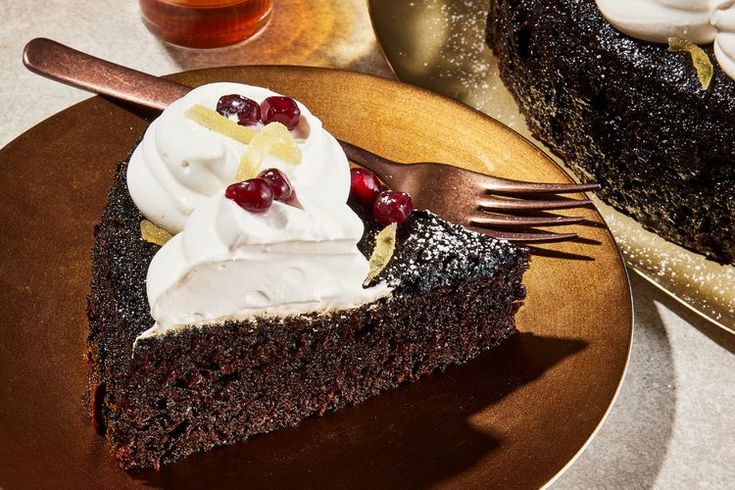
(482,202)
(460,196)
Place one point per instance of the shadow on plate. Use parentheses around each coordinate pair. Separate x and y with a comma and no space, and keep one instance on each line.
(558,254)
(414,436)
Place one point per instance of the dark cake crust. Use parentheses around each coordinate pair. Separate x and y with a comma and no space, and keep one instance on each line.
(626,113)
(456,294)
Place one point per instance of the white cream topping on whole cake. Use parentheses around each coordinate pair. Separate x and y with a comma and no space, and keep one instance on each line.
(698,21)
(228,263)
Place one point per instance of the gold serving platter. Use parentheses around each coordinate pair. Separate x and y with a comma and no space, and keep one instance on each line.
(440,45)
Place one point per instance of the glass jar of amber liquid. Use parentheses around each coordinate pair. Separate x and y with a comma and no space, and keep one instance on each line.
(205,23)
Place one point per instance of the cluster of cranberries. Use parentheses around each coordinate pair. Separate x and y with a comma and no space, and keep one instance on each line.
(388,206)
(249,113)
(257,195)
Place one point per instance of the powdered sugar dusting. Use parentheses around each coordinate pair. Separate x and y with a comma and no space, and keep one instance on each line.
(457,62)
(705,285)
(431,253)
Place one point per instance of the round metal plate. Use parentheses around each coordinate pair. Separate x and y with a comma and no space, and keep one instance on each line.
(515,416)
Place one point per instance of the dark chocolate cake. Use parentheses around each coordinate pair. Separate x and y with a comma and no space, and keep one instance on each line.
(626,113)
(456,293)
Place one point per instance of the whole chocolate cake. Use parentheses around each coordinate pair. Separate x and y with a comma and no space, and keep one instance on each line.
(629,113)
(161,392)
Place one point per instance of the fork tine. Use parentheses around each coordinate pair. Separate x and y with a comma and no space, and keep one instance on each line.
(493,219)
(527,237)
(501,203)
(509,186)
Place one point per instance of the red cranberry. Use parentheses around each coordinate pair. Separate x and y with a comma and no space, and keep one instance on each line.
(254,195)
(392,207)
(280,109)
(246,110)
(282,190)
(364,186)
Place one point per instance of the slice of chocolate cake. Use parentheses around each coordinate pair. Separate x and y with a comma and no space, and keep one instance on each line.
(628,113)
(455,296)
(254,315)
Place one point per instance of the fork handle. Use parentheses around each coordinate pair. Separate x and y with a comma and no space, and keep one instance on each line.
(67,65)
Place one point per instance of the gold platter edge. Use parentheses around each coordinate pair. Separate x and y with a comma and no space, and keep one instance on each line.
(439,45)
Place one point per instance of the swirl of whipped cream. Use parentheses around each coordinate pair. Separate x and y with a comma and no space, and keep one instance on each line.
(699,21)
(229,263)
(180,163)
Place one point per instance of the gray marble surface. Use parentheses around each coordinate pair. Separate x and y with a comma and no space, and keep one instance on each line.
(672,425)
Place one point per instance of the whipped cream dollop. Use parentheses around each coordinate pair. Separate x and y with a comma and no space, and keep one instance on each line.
(179,163)
(698,21)
(228,263)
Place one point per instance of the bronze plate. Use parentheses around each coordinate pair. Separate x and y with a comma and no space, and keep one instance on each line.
(515,416)
(440,45)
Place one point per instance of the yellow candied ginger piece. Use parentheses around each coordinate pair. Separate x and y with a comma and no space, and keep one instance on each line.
(700,60)
(385,245)
(216,122)
(249,166)
(287,152)
(274,139)
(154,234)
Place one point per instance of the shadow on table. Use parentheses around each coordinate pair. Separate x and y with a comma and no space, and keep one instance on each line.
(414,436)
(632,444)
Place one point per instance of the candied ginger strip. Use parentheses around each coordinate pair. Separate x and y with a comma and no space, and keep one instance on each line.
(274,139)
(153,234)
(385,245)
(214,121)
